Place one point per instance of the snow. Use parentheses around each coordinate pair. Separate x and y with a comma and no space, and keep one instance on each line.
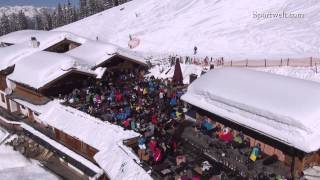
(307,73)
(118,166)
(101,135)
(218,28)
(283,108)
(312,173)
(101,53)
(46,38)
(14,166)
(38,108)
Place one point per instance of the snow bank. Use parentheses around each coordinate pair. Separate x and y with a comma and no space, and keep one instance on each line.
(218,28)
(284,108)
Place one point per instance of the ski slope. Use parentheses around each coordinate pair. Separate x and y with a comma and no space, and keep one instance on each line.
(217,27)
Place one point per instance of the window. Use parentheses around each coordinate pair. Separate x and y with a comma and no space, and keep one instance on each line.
(3,99)
(63,46)
(22,107)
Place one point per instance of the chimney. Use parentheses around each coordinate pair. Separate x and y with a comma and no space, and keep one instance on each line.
(34,42)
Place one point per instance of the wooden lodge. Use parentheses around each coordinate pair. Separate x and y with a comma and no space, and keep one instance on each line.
(220,101)
(25,99)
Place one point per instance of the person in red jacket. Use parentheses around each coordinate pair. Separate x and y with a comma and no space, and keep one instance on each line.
(118,96)
(157,155)
(154,119)
(227,135)
(153,144)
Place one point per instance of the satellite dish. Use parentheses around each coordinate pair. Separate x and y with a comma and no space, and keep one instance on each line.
(8,91)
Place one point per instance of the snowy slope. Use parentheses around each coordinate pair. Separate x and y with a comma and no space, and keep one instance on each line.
(218,28)
(29,11)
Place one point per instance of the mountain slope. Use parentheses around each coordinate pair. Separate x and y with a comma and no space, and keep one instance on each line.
(29,11)
(217,27)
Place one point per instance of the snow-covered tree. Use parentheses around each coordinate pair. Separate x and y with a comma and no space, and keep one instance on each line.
(22,21)
(92,5)
(38,23)
(47,21)
(60,18)
(83,8)
(4,25)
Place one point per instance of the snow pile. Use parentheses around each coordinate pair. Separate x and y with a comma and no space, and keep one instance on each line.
(103,136)
(218,28)
(281,107)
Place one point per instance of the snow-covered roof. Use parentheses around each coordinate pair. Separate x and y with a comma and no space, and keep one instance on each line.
(22,44)
(283,108)
(93,52)
(105,137)
(46,38)
(42,67)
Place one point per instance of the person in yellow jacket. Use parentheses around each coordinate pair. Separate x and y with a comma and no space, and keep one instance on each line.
(145,91)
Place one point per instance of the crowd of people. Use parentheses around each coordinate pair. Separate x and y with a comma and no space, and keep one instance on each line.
(206,61)
(239,148)
(234,139)
(149,106)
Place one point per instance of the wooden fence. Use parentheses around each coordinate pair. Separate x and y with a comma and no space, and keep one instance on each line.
(301,62)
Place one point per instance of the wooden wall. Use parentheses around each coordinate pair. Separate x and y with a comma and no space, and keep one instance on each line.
(3,83)
(29,93)
(269,146)
(75,144)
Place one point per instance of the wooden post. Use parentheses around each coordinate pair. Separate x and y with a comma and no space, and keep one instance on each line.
(281,62)
(310,61)
(288,62)
(247,63)
(265,62)
(231,63)
(293,170)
